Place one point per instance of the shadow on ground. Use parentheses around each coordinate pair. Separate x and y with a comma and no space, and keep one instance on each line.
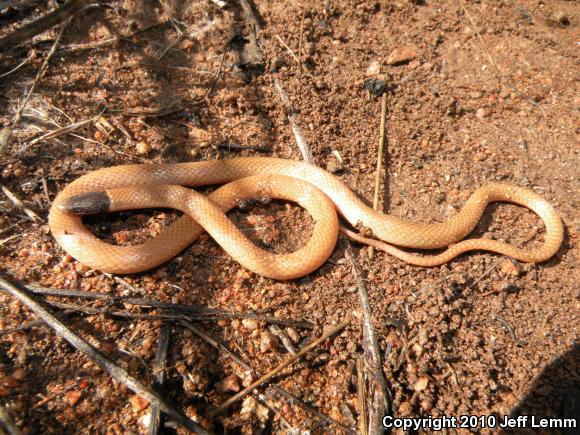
(554,394)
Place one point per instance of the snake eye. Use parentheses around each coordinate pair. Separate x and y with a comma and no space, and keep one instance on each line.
(86,203)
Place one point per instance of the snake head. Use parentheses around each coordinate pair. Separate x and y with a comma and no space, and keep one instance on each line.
(86,203)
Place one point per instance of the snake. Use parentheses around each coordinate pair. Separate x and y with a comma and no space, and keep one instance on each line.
(322,194)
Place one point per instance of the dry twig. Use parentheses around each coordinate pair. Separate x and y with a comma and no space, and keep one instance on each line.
(18,203)
(282,366)
(17,67)
(283,338)
(379,402)
(7,422)
(296,58)
(379,159)
(99,358)
(60,131)
(362,396)
(159,369)
(293,119)
(192,311)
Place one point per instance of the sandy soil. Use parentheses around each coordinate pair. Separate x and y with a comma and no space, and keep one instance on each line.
(491,95)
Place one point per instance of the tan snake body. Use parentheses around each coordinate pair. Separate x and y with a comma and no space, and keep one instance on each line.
(159,185)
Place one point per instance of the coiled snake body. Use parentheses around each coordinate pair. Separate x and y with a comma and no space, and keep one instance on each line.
(161,185)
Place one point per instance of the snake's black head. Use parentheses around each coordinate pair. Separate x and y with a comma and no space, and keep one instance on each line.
(86,203)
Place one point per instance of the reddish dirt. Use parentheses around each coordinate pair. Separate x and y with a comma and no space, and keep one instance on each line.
(497,100)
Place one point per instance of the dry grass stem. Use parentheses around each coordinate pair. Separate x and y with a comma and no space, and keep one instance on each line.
(296,58)
(59,132)
(17,67)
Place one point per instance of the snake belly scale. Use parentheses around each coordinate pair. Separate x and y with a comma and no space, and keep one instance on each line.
(321,193)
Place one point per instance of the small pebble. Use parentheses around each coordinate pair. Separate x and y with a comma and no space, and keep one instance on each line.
(310,48)
(421,384)
(376,87)
(146,346)
(267,342)
(229,384)
(250,324)
(293,334)
(143,148)
(426,405)
(509,267)
(138,403)
(73,397)
(405,409)
(482,112)
(401,55)
(99,136)
(374,68)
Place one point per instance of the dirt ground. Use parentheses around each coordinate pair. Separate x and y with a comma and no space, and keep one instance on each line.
(489,93)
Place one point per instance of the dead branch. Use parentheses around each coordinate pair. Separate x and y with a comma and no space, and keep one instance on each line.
(98,357)
(159,369)
(379,402)
(194,312)
(362,396)
(29,325)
